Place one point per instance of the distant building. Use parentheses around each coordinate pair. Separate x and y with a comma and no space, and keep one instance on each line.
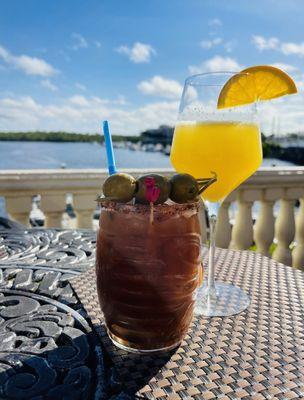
(162,135)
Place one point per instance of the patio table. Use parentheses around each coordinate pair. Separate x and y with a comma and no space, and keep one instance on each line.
(257,354)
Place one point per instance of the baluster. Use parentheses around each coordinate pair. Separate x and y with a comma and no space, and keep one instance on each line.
(264,227)
(203,222)
(53,206)
(284,232)
(84,206)
(298,252)
(242,231)
(19,207)
(223,227)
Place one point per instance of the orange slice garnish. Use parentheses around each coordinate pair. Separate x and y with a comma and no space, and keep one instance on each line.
(262,82)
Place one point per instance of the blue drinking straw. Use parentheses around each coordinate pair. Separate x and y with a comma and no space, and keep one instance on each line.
(109,148)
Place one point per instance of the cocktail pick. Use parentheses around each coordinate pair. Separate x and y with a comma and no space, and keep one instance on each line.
(152,191)
(109,148)
(152,194)
(204,183)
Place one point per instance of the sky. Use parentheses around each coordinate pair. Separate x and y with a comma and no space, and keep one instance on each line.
(69,64)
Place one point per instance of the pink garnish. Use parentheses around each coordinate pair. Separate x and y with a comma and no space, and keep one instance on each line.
(152,191)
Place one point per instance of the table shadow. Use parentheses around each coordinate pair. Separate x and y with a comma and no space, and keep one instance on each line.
(75,369)
(127,372)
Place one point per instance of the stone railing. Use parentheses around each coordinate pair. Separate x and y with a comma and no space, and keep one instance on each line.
(268,208)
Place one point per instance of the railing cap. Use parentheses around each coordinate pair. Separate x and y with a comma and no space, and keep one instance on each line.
(67,179)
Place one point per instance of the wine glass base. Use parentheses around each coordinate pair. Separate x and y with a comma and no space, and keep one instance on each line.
(228,300)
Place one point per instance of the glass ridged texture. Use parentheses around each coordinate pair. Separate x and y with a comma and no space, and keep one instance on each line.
(148,273)
(223,142)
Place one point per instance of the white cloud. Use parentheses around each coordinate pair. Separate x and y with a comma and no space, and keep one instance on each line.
(28,65)
(80,86)
(121,100)
(273,43)
(285,67)
(208,44)
(216,63)
(97,44)
(293,48)
(33,66)
(4,54)
(283,115)
(79,41)
(82,114)
(162,87)
(24,101)
(215,22)
(262,43)
(79,100)
(46,83)
(138,53)
(82,101)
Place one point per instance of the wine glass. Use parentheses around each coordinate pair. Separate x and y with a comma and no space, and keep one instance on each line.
(221,143)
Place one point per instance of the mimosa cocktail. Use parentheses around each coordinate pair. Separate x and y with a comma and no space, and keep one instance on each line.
(230,149)
(217,136)
(224,144)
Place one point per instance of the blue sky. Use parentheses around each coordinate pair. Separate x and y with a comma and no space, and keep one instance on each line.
(67,64)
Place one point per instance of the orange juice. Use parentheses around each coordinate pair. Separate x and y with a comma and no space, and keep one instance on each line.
(232,150)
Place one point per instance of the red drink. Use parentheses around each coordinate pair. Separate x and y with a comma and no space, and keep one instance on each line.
(147,273)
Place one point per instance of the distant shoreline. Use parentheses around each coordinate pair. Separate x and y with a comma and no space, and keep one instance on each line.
(147,141)
(61,137)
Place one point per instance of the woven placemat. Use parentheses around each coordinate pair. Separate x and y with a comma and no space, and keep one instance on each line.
(258,354)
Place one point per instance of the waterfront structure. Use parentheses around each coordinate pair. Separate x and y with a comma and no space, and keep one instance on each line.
(278,225)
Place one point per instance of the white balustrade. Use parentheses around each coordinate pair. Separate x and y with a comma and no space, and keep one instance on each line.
(53,206)
(263,232)
(18,206)
(284,232)
(269,187)
(223,226)
(242,231)
(84,206)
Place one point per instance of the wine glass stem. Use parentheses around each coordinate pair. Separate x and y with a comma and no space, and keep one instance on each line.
(213,212)
(211,266)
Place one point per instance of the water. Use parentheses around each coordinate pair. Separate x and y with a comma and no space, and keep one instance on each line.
(274,162)
(40,155)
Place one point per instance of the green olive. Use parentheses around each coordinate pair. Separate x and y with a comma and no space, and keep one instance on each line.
(119,187)
(159,182)
(184,188)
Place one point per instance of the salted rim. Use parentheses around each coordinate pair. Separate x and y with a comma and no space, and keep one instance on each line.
(165,208)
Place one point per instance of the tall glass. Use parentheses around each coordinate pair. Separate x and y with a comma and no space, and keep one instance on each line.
(224,143)
(148,273)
